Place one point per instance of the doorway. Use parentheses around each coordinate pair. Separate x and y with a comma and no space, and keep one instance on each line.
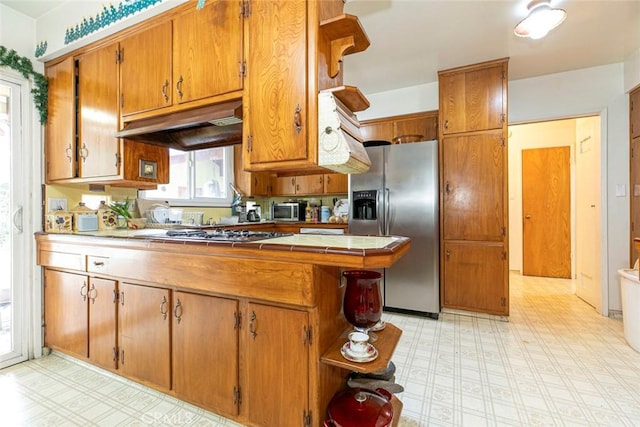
(13,176)
(546,205)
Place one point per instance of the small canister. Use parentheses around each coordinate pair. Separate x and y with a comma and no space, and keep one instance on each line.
(78,211)
(325,214)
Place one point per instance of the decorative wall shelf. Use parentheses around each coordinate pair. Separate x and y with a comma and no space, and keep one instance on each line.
(347,36)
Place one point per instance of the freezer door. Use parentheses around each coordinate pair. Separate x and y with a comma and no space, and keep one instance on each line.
(411,181)
(372,181)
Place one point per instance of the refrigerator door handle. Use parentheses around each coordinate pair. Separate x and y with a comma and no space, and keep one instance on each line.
(387,208)
(379,210)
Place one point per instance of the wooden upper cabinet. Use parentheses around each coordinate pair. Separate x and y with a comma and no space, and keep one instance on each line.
(98,149)
(145,70)
(634,113)
(283,185)
(310,184)
(423,125)
(199,352)
(60,138)
(473,98)
(143,333)
(473,187)
(249,183)
(276,112)
(336,183)
(207,50)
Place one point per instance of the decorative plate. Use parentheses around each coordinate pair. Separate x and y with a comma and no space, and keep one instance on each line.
(370,355)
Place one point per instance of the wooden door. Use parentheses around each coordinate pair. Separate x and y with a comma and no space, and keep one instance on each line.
(473,99)
(310,184)
(475,277)
(336,183)
(98,150)
(65,312)
(635,197)
(205,350)
(207,51)
(276,351)
(546,209)
(283,185)
(634,113)
(60,135)
(102,322)
(145,70)
(275,104)
(473,187)
(143,325)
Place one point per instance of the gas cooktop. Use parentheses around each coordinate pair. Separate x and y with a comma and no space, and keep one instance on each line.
(222,234)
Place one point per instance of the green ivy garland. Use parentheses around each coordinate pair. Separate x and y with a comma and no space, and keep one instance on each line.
(24,66)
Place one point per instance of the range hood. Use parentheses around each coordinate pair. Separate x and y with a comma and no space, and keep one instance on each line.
(340,146)
(204,127)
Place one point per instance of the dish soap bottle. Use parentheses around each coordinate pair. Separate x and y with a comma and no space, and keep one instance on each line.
(307,213)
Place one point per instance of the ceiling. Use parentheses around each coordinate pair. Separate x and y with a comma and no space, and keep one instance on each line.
(412,39)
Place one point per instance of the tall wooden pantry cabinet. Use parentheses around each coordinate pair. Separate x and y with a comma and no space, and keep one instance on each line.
(634,136)
(474,259)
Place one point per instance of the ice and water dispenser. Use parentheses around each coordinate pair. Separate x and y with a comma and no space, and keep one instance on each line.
(365,205)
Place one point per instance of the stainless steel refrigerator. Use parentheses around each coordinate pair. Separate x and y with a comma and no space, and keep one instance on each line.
(399,196)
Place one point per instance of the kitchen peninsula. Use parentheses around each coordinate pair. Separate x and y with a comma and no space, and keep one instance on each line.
(244,329)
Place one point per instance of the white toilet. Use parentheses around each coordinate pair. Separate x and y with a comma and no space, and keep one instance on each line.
(630,290)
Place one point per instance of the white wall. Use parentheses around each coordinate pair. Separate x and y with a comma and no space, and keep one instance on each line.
(632,71)
(17,32)
(562,95)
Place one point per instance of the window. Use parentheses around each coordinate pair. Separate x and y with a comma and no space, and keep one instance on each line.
(197,178)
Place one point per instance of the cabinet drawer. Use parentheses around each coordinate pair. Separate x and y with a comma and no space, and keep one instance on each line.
(62,260)
(97,264)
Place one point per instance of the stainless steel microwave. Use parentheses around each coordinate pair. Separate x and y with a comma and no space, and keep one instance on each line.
(290,211)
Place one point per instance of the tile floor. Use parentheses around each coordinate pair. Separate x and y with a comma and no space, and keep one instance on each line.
(554,363)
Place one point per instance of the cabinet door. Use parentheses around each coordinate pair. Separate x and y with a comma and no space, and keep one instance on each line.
(635,196)
(474,277)
(207,51)
(336,183)
(377,131)
(143,326)
(60,141)
(65,312)
(102,322)
(145,70)
(249,183)
(205,350)
(473,187)
(472,100)
(426,127)
(634,113)
(98,151)
(275,104)
(283,185)
(277,361)
(310,184)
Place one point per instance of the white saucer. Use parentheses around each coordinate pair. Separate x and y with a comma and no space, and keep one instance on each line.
(378,326)
(368,356)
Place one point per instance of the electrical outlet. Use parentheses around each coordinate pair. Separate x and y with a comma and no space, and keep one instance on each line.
(54,204)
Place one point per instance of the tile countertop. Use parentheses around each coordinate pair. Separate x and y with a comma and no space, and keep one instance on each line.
(345,241)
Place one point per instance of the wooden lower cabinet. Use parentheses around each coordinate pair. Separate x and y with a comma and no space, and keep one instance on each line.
(205,351)
(102,298)
(276,351)
(143,334)
(66,315)
(474,273)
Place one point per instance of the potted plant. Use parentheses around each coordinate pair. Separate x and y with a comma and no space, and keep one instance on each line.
(121,209)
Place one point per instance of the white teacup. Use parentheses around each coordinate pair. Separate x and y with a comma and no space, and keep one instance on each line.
(358,343)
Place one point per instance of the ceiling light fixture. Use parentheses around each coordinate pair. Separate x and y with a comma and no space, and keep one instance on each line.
(541,19)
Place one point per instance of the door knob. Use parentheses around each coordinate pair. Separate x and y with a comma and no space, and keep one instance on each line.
(527,216)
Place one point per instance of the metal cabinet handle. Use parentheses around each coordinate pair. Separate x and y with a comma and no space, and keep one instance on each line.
(297,119)
(83,291)
(446,124)
(252,323)
(163,308)
(122,298)
(179,87)
(165,95)
(527,216)
(84,152)
(67,151)
(177,311)
(447,188)
(92,294)
(448,253)
(98,263)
